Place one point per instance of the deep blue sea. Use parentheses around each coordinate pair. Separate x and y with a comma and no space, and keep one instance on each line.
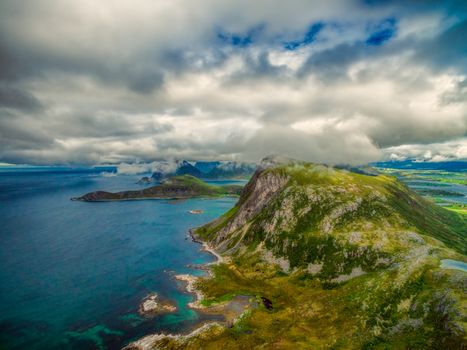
(73,273)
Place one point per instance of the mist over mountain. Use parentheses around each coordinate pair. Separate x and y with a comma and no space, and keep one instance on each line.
(204,170)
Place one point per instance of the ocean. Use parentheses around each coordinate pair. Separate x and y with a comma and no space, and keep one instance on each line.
(73,273)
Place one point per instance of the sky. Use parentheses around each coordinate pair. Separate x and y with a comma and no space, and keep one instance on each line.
(113,81)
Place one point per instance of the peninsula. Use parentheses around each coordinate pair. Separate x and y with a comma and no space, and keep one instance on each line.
(335,260)
(176,187)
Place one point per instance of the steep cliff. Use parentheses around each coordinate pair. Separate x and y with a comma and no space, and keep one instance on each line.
(334,260)
(347,261)
(289,209)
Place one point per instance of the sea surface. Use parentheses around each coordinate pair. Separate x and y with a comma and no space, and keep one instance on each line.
(73,273)
(454,264)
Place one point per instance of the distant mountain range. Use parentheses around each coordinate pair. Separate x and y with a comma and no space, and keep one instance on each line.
(458,166)
(204,170)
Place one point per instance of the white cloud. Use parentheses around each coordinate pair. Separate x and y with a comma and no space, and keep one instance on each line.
(119,82)
(133,168)
(436,152)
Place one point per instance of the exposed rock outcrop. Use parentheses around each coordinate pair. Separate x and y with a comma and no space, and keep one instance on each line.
(153,305)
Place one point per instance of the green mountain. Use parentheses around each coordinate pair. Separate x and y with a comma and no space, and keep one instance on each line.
(176,187)
(335,260)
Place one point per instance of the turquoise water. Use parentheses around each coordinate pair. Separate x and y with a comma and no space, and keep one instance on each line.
(453,264)
(72,273)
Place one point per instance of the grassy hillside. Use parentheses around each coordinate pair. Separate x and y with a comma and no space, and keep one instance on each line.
(348,261)
(318,199)
(176,187)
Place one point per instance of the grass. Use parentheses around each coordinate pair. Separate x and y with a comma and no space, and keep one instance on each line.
(354,315)
(176,187)
(342,221)
(457,208)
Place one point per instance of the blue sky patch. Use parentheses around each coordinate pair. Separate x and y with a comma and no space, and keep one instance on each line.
(308,38)
(383,32)
(240,39)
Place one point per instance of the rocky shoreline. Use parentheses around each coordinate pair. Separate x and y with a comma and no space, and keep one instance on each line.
(150,341)
(206,248)
(153,305)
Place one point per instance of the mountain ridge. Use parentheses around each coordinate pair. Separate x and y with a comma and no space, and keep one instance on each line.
(344,261)
(202,170)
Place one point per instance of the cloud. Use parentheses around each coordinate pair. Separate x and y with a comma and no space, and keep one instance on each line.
(165,167)
(119,82)
(12,98)
(333,147)
(438,152)
(133,168)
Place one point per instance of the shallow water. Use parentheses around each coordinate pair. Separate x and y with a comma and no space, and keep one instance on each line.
(73,273)
(436,186)
(453,264)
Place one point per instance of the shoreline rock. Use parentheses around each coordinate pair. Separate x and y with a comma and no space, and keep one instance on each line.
(151,341)
(206,247)
(190,281)
(153,305)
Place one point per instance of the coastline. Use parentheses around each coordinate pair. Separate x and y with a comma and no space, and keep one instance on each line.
(206,248)
(147,342)
(190,280)
(78,199)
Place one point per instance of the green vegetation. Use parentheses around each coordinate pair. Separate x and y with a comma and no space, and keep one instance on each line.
(458,208)
(176,187)
(366,312)
(436,186)
(349,261)
(428,175)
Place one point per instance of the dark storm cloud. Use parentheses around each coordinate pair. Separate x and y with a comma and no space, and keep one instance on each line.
(457,95)
(333,63)
(111,81)
(449,49)
(11,97)
(114,126)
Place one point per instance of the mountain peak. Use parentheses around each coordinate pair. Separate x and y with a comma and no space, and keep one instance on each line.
(290,200)
(358,255)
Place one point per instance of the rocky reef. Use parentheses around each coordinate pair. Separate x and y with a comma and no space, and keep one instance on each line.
(153,305)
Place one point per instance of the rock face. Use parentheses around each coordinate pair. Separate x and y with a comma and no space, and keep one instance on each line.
(335,259)
(293,210)
(185,168)
(178,187)
(254,197)
(325,229)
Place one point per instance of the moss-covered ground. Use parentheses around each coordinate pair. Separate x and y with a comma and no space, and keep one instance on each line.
(349,261)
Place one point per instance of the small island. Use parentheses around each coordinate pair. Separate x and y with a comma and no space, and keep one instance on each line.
(176,187)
